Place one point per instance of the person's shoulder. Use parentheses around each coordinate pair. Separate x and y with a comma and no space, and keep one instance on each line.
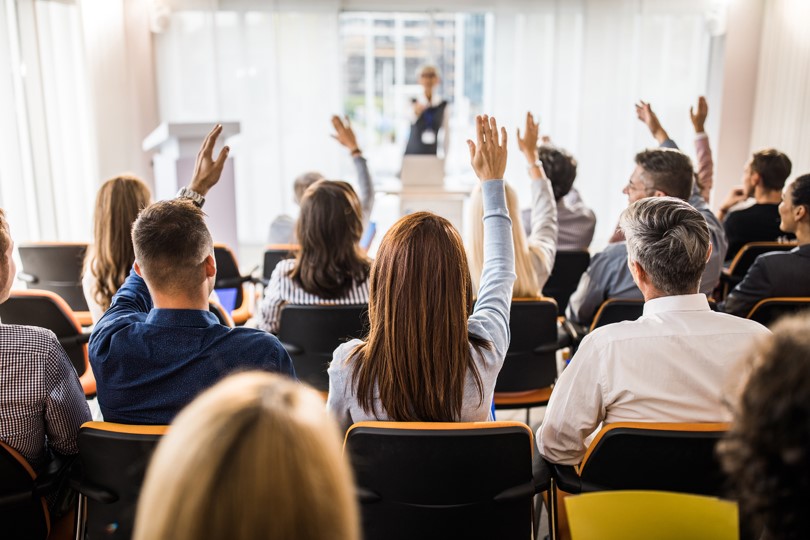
(26,337)
(735,324)
(342,358)
(613,253)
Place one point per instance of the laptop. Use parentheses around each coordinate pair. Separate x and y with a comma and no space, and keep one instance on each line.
(422,171)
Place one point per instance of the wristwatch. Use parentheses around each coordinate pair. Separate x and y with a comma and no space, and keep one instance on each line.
(195,197)
(538,164)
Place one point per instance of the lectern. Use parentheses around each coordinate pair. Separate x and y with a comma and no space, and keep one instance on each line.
(178,144)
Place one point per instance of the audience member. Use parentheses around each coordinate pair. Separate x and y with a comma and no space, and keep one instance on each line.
(659,172)
(763,178)
(42,404)
(109,259)
(576,222)
(330,267)
(283,227)
(765,454)
(150,362)
(429,118)
(534,258)
(424,359)
(674,363)
(256,456)
(780,273)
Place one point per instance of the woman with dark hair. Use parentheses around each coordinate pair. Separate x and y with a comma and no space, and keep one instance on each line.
(429,356)
(766,454)
(330,267)
(780,273)
(109,259)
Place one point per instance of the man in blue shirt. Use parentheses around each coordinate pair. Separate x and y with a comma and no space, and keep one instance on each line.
(158,346)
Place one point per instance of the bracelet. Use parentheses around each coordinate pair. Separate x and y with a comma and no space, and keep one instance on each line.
(357,152)
(538,164)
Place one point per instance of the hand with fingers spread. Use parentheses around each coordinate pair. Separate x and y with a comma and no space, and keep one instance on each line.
(645,114)
(699,117)
(206,170)
(528,143)
(344,134)
(488,155)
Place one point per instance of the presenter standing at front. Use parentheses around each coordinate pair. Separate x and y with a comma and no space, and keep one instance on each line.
(429,117)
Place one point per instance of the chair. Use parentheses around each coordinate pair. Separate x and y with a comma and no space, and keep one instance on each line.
(47,310)
(530,367)
(768,310)
(568,268)
(675,457)
(23,511)
(113,459)
(618,515)
(57,267)
(744,259)
(274,254)
(310,334)
(444,480)
(231,284)
(615,310)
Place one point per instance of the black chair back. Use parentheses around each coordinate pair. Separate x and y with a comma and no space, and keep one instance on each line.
(312,333)
(420,480)
(228,277)
(769,310)
(57,268)
(745,258)
(568,268)
(23,514)
(530,362)
(112,465)
(617,310)
(273,255)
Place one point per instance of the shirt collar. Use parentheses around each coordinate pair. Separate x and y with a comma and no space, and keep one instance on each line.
(683,302)
(802,250)
(195,318)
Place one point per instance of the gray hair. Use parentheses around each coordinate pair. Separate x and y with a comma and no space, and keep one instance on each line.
(302,182)
(670,240)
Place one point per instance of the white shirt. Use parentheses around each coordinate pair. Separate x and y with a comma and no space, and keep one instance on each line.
(674,364)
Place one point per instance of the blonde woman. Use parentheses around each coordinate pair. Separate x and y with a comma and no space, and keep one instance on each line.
(255,456)
(534,256)
(109,259)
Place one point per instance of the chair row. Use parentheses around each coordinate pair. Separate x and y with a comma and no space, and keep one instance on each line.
(414,480)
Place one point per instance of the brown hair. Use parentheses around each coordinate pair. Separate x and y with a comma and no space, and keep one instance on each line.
(328,230)
(667,170)
(417,353)
(110,259)
(171,242)
(256,456)
(766,454)
(772,166)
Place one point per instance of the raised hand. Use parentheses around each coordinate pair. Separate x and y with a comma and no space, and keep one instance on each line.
(528,143)
(735,196)
(645,114)
(206,170)
(699,117)
(488,156)
(344,134)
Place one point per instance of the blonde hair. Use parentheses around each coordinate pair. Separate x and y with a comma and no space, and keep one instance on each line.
(526,285)
(109,260)
(256,456)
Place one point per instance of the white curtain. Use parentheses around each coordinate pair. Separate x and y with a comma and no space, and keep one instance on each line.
(580,65)
(782,107)
(273,68)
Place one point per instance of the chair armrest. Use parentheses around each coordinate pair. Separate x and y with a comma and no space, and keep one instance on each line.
(231,283)
(57,470)
(71,341)
(365,496)
(546,348)
(27,278)
(566,477)
(292,349)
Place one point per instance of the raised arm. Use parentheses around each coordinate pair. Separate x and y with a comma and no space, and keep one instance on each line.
(703,152)
(490,319)
(344,134)
(543,234)
(645,114)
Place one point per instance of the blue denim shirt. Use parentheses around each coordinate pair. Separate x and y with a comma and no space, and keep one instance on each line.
(150,363)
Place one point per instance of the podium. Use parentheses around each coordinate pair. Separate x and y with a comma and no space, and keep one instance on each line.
(177,144)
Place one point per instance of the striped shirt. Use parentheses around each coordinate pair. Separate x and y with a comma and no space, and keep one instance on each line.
(40,394)
(282,290)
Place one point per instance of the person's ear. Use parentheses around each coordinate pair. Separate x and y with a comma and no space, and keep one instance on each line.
(636,271)
(756,179)
(210,264)
(659,193)
(709,252)
(138,269)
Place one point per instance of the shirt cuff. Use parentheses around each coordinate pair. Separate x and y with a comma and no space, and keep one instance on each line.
(701,136)
(494,197)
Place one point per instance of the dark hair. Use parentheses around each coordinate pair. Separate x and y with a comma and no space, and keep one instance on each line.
(417,356)
(329,228)
(766,454)
(560,167)
(667,170)
(670,240)
(800,191)
(772,166)
(171,242)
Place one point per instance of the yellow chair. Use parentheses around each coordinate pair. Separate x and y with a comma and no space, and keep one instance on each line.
(659,515)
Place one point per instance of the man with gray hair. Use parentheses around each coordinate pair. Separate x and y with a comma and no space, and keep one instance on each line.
(674,363)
